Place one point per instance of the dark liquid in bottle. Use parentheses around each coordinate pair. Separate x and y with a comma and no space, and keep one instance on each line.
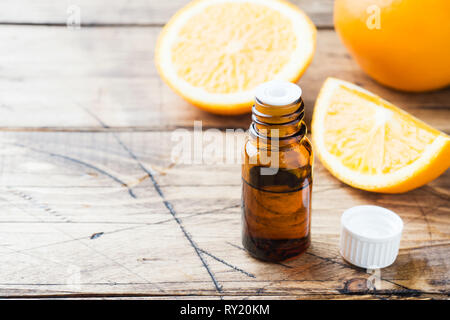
(276,213)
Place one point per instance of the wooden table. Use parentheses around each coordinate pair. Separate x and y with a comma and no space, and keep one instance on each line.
(93,203)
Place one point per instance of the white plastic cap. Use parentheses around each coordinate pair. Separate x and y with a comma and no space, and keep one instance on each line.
(278,93)
(370,236)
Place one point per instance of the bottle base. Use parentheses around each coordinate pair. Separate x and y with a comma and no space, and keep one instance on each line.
(275,250)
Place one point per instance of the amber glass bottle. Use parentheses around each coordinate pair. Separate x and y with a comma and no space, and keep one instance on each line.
(277,175)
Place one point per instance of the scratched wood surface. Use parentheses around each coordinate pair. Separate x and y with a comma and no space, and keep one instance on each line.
(94,203)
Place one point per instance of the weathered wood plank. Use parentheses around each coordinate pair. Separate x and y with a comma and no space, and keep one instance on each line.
(81,216)
(122,12)
(356,296)
(72,76)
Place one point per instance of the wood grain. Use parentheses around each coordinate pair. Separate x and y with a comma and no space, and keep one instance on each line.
(123,12)
(116,208)
(96,203)
(110,72)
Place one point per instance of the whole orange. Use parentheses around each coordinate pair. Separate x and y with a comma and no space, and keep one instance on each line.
(403,44)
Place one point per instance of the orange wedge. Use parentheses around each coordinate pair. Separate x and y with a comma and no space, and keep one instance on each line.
(371,144)
(213,53)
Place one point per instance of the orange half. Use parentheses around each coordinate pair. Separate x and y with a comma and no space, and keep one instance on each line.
(213,53)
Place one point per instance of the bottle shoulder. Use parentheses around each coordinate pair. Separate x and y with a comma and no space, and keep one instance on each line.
(293,155)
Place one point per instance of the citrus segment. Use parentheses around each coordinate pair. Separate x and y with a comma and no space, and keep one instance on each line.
(370,144)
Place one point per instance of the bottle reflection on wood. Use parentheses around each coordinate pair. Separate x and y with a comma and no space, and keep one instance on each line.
(277,175)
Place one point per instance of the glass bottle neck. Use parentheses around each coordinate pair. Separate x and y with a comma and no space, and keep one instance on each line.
(281,122)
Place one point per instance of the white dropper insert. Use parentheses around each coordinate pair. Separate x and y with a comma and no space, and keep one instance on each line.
(370,236)
(278,93)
